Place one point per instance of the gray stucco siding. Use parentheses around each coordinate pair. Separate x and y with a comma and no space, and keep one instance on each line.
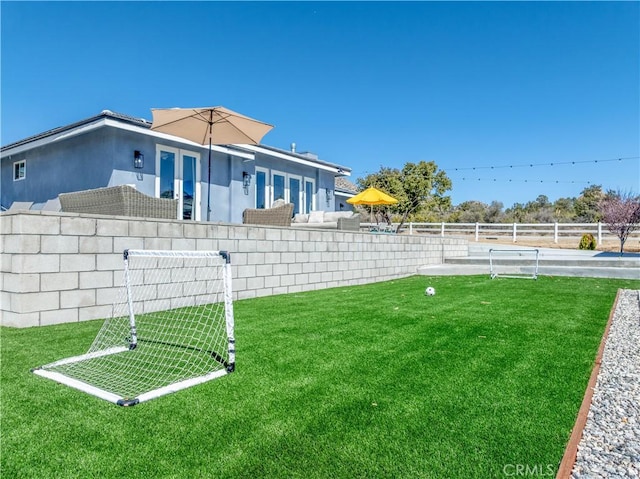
(80,162)
(124,144)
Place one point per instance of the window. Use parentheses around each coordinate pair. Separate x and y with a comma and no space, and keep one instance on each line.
(278,182)
(272,185)
(189,183)
(167,174)
(295,193)
(261,188)
(19,170)
(309,194)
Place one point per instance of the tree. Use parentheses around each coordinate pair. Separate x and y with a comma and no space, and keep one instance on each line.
(586,205)
(494,212)
(387,180)
(417,186)
(539,211)
(563,210)
(477,212)
(516,213)
(621,213)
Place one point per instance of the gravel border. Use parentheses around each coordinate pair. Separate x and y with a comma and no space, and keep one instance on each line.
(610,443)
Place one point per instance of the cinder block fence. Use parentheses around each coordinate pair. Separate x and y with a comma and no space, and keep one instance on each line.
(68,267)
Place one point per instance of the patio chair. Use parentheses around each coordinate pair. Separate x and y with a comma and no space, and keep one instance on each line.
(278,216)
(123,200)
(349,224)
(383,228)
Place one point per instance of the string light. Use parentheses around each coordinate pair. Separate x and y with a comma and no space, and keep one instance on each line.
(523,181)
(532,165)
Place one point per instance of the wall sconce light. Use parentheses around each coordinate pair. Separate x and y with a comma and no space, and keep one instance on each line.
(328,193)
(246,182)
(246,179)
(138,159)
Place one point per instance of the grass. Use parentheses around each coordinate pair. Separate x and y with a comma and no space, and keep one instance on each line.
(372,381)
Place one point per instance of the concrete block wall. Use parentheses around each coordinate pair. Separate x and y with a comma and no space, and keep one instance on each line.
(68,267)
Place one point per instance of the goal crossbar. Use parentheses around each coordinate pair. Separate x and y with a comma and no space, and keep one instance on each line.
(172,327)
(513,263)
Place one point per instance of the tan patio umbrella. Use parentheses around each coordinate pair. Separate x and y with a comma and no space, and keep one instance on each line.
(213,126)
(372,196)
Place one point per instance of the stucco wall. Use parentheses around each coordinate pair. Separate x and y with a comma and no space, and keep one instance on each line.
(65,267)
(78,163)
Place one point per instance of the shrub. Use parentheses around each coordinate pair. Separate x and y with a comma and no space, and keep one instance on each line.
(587,242)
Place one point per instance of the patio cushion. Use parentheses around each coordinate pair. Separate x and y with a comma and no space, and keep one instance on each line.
(316,217)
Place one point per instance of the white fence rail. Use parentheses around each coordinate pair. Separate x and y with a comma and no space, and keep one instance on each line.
(515,231)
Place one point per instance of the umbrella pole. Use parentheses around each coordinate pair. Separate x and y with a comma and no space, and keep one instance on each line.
(209,183)
(209,167)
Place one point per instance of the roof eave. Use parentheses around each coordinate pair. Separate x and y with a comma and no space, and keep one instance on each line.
(67,131)
(339,170)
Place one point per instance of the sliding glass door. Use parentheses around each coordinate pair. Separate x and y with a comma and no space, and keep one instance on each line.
(189,182)
(295,193)
(179,178)
(309,195)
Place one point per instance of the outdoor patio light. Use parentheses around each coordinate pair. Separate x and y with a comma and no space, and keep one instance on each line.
(328,193)
(246,182)
(138,159)
(246,179)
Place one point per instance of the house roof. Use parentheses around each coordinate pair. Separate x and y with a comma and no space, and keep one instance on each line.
(61,129)
(54,133)
(345,186)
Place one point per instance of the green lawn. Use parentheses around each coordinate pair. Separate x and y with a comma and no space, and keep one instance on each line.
(375,381)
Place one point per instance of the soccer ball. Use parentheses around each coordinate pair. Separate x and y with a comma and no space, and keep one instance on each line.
(430,291)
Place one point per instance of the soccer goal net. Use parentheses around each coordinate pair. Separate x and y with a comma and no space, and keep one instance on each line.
(170,328)
(513,263)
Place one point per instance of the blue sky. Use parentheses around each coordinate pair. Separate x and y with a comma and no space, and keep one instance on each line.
(485,85)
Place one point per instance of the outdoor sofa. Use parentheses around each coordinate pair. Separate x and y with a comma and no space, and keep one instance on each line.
(123,200)
(276,216)
(341,220)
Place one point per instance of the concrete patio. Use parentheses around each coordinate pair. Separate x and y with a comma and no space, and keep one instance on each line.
(552,262)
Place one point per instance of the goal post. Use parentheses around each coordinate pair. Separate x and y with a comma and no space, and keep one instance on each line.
(171,327)
(513,263)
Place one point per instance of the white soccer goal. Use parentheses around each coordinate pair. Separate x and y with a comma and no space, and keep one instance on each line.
(513,263)
(171,328)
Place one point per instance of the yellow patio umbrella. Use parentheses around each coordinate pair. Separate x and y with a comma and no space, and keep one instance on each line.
(372,196)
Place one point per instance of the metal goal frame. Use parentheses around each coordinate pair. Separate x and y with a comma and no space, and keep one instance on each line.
(515,267)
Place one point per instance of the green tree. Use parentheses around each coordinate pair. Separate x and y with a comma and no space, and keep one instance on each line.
(494,213)
(563,210)
(417,187)
(539,210)
(587,204)
(470,212)
(387,180)
(516,213)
